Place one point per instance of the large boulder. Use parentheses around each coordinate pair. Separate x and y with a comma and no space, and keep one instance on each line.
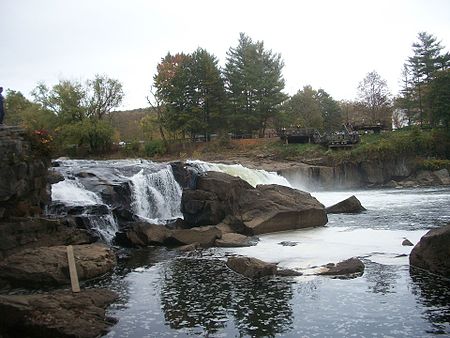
(251,267)
(266,208)
(143,234)
(433,251)
(49,266)
(350,205)
(60,314)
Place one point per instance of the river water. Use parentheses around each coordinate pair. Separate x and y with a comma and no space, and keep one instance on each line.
(166,293)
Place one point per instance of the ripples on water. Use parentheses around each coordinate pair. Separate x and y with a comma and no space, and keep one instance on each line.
(165,293)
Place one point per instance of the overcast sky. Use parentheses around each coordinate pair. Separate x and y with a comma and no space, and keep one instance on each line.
(327,44)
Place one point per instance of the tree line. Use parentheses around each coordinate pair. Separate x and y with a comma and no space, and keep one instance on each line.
(193,97)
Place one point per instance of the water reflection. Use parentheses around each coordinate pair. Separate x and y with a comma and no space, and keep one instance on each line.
(433,293)
(381,278)
(214,295)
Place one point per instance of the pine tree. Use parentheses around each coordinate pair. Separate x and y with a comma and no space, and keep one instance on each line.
(254,82)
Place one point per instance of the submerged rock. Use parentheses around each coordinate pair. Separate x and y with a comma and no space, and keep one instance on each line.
(433,251)
(60,314)
(349,267)
(266,208)
(251,267)
(350,205)
(48,265)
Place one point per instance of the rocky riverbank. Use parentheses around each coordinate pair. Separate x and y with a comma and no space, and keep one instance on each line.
(33,252)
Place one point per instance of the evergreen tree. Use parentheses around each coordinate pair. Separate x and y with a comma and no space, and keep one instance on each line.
(421,69)
(437,96)
(254,82)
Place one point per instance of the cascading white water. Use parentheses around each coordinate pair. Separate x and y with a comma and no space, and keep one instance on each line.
(252,176)
(106,226)
(156,195)
(72,192)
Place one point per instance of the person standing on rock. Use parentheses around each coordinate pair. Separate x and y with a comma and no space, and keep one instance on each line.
(2,111)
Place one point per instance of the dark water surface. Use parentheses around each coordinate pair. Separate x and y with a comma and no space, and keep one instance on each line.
(168,294)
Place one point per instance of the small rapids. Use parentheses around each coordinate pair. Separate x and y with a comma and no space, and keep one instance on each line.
(252,176)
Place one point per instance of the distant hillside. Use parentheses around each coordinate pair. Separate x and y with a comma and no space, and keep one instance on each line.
(127,123)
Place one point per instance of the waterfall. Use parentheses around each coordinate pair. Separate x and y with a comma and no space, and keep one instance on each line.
(106,226)
(150,189)
(252,176)
(72,192)
(156,195)
(147,189)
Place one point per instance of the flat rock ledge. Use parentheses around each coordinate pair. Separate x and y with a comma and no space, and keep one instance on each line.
(144,234)
(61,314)
(47,266)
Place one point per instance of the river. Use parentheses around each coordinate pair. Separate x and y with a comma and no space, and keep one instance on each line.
(164,292)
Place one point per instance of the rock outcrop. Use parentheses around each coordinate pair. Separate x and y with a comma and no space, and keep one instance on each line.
(350,205)
(433,251)
(266,208)
(27,233)
(60,314)
(46,266)
(24,189)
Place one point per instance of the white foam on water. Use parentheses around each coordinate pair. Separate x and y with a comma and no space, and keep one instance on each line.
(322,245)
(71,192)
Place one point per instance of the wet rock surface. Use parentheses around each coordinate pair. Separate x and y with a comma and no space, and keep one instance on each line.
(56,314)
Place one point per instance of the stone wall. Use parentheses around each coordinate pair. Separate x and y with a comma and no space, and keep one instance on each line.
(24,190)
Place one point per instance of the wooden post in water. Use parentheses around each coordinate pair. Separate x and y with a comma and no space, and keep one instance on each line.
(72,269)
